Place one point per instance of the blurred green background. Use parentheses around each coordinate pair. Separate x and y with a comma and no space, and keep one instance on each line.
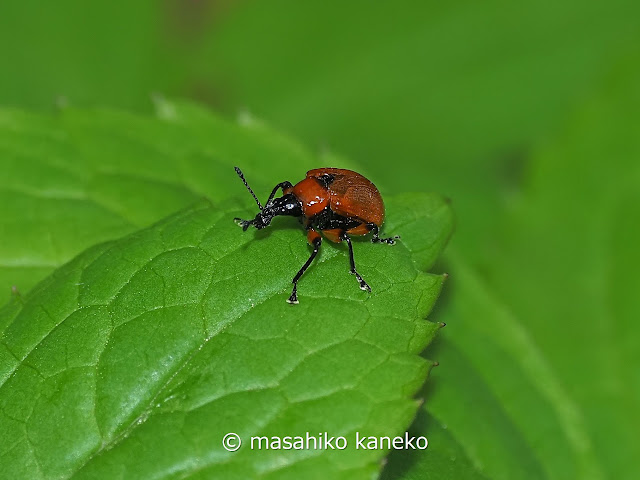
(525,114)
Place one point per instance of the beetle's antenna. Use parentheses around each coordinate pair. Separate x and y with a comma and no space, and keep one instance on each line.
(239,172)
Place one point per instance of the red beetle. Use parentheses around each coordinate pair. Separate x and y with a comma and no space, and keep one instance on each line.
(337,202)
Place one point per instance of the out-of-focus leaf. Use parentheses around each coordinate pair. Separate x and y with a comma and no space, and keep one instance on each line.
(445,458)
(540,359)
(83,53)
(433,96)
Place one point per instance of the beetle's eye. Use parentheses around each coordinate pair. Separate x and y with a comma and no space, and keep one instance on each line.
(326,179)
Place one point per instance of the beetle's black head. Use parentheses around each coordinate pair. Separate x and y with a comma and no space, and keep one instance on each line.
(285,205)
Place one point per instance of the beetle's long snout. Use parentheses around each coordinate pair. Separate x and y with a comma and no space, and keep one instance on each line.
(263,219)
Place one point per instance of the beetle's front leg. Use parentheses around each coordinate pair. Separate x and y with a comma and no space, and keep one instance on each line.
(282,185)
(315,240)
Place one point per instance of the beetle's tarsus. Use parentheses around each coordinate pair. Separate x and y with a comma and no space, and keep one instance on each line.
(243,223)
(363,285)
(376,235)
(388,241)
(293,298)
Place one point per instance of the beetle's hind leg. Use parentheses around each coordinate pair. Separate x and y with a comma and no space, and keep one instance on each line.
(363,285)
(376,237)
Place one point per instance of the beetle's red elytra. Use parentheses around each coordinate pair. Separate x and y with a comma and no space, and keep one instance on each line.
(337,202)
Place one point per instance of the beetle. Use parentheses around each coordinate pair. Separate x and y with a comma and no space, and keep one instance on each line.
(337,202)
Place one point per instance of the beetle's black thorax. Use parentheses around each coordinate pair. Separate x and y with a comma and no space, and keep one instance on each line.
(327,219)
(286,205)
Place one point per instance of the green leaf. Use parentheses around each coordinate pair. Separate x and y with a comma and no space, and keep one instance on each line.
(137,356)
(82,177)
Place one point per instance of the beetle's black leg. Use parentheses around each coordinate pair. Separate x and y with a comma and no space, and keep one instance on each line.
(282,185)
(376,238)
(363,284)
(294,293)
